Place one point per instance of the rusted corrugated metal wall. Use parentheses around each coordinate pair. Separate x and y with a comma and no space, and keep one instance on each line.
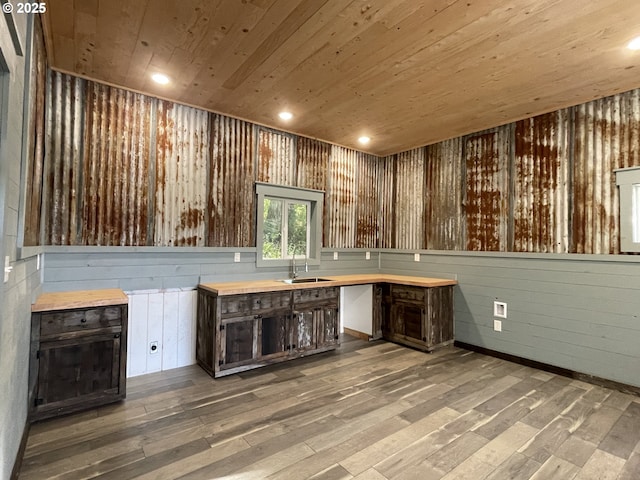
(35,145)
(541,183)
(367,210)
(409,199)
(63,159)
(606,137)
(232,176)
(444,225)
(487,193)
(386,201)
(115,171)
(341,198)
(312,163)
(182,158)
(276,157)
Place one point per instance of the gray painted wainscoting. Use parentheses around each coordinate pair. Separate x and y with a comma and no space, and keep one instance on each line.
(579,312)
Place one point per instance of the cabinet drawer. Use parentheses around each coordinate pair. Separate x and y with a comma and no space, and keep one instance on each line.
(409,294)
(308,295)
(233,305)
(60,322)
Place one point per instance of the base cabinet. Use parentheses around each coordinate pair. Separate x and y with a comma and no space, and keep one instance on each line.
(419,317)
(78,359)
(242,332)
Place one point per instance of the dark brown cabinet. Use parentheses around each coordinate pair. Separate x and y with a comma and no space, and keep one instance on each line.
(241,332)
(78,351)
(420,317)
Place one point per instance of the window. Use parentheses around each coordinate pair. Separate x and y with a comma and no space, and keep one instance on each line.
(289,224)
(286,228)
(628,181)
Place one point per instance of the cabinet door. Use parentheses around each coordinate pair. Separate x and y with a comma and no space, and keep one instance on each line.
(274,335)
(303,328)
(408,320)
(77,369)
(237,341)
(327,327)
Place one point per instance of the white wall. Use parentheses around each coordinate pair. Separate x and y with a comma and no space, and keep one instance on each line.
(356,304)
(167,317)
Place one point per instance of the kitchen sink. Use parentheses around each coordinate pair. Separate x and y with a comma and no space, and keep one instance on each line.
(306,280)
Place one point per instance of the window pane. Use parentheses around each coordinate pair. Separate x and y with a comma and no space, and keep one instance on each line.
(297,229)
(272,233)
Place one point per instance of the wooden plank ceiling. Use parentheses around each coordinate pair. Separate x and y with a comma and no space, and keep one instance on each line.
(405,72)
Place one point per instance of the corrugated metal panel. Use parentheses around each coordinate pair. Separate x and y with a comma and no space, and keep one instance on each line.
(276,157)
(607,136)
(410,198)
(541,183)
(232,176)
(116,167)
(367,210)
(341,198)
(487,191)
(444,221)
(312,163)
(63,158)
(35,155)
(182,157)
(386,201)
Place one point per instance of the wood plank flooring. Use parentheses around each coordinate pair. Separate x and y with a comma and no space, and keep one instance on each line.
(367,411)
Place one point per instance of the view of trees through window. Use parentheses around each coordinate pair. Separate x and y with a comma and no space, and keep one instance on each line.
(286,228)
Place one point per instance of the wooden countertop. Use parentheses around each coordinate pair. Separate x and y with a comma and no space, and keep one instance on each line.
(257,286)
(79,299)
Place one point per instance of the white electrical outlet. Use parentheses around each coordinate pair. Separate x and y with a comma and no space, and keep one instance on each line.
(497,325)
(153,348)
(335,255)
(500,309)
(236,257)
(38,262)
(416,257)
(367,255)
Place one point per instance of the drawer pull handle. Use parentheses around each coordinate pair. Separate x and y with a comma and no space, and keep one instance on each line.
(84,320)
(117,335)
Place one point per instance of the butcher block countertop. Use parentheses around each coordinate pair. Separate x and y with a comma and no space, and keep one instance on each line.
(79,299)
(257,286)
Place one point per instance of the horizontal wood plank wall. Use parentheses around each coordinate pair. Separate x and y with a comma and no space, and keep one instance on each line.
(149,268)
(574,312)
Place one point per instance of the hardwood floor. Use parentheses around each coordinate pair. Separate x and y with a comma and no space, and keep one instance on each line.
(367,411)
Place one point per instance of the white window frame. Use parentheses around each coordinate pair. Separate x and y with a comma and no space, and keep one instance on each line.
(628,181)
(315,204)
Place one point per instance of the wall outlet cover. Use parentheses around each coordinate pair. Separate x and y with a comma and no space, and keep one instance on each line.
(153,348)
(236,257)
(416,257)
(38,262)
(500,309)
(497,325)
(335,255)
(367,255)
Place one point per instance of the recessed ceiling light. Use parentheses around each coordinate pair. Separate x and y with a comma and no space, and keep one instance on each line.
(285,115)
(634,44)
(160,78)
(364,140)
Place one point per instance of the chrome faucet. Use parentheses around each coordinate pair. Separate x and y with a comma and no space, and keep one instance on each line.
(294,270)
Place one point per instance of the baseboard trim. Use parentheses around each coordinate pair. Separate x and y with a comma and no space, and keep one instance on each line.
(602,382)
(357,334)
(20,455)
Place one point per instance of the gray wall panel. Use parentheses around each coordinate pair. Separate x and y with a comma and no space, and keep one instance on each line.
(578,312)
